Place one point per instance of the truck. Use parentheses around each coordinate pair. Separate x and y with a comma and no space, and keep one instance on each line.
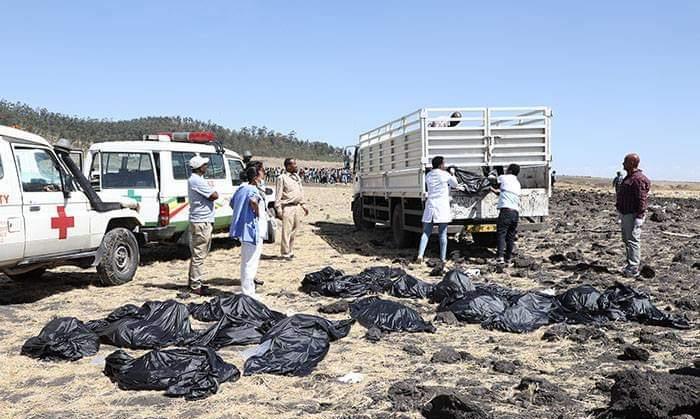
(50,216)
(390,163)
(154,170)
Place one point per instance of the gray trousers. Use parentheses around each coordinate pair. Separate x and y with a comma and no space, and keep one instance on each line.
(631,237)
(200,241)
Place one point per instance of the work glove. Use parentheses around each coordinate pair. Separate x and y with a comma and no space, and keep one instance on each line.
(638,222)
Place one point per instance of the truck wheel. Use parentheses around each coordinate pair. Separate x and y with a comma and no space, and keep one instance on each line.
(402,238)
(27,276)
(485,239)
(120,257)
(360,224)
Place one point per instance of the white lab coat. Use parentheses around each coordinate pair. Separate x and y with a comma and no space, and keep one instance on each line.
(437,206)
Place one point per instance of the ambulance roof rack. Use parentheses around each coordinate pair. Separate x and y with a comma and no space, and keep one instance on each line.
(188,136)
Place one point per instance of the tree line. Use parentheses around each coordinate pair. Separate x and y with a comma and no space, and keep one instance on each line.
(261,141)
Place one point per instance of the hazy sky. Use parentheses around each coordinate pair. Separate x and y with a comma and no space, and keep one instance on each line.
(620,76)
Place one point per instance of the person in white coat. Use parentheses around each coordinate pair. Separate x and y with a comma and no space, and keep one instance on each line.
(437,207)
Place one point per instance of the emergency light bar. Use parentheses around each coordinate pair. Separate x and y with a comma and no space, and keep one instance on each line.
(190,137)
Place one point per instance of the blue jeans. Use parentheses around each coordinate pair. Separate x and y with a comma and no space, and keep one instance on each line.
(427,231)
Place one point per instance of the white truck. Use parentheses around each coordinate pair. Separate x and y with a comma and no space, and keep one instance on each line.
(391,161)
(49,215)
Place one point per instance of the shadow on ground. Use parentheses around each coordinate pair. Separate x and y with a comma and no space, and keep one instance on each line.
(378,242)
(29,291)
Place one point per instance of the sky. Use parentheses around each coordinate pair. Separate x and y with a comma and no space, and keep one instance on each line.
(620,76)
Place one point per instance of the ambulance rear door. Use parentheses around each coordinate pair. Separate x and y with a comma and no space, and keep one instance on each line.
(127,174)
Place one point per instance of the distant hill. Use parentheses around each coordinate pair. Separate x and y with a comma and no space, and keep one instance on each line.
(261,141)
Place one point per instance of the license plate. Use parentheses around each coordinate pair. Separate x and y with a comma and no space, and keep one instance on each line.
(480,228)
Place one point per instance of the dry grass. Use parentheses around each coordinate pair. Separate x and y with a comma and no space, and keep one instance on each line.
(30,388)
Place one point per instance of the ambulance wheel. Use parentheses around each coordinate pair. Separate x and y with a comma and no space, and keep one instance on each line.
(27,276)
(402,238)
(120,257)
(489,239)
(360,224)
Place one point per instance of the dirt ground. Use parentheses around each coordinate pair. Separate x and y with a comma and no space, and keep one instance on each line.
(577,369)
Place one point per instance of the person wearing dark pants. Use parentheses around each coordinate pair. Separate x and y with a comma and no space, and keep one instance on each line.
(508,206)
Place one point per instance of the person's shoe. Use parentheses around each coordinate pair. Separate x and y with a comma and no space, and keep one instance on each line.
(500,261)
(288,256)
(631,272)
(202,290)
(257,281)
(419,260)
(508,263)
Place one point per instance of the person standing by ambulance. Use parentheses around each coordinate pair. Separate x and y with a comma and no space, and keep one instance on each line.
(201,199)
(289,203)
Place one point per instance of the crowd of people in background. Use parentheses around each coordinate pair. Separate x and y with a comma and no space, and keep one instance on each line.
(313,175)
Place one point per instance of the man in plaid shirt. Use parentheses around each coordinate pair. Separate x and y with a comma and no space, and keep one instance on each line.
(632,205)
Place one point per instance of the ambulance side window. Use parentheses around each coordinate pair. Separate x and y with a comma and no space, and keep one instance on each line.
(127,170)
(216,168)
(38,170)
(235,167)
(181,164)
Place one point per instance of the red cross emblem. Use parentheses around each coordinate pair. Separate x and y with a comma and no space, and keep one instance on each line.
(62,222)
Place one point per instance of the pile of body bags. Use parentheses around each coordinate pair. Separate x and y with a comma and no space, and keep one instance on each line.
(191,369)
(492,306)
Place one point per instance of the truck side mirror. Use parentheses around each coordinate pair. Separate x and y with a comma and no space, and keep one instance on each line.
(67,185)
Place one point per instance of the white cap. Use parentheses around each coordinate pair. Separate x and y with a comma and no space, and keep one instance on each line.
(196,162)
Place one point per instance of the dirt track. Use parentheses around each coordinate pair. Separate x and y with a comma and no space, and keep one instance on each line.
(577,369)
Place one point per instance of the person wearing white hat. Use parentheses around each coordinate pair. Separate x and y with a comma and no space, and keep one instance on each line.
(201,198)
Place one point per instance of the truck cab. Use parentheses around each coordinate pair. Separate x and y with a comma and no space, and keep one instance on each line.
(50,217)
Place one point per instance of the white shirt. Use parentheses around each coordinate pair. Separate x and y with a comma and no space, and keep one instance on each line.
(437,207)
(509,196)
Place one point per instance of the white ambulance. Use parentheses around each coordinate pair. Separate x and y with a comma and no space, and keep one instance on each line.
(49,215)
(154,172)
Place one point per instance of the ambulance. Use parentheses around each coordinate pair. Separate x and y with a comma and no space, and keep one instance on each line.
(154,172)
(50,216)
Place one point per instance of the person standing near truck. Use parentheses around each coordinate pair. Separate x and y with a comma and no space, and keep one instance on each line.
(631,203)
(508,191)
(289,203)
(437,206)
(201,199)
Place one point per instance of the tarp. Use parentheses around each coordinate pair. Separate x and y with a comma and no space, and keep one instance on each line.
(475,184)
(333,283)
(509,310)
(63,338)
(454,285)
(528,312)
(295,345)
(193,373)
(242,320)
(156,324)
(407,286)
(623,303)
(475,306)
(388,316)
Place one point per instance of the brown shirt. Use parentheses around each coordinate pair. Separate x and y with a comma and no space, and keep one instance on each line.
(633,194)
(288,190)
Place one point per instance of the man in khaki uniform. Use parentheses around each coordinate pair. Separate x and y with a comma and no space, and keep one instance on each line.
(289,203)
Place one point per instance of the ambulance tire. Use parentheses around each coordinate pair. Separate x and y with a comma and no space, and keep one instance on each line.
(489,239)
(120,257)
(27,276)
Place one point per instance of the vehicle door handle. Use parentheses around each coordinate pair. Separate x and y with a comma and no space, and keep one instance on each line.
(34,208)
